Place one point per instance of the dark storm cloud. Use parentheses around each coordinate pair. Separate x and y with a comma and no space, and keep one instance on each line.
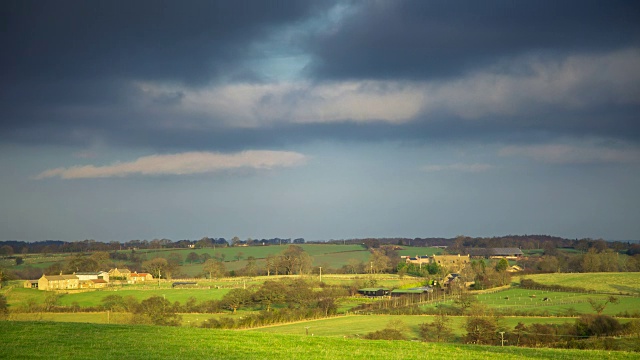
(68,68)
(75,72)
(434,39)
(166,40)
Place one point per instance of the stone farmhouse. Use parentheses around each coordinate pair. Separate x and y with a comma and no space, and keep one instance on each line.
(120,274)
(58,282)
(451,262)
(135,278)
(79,280)
(86,280)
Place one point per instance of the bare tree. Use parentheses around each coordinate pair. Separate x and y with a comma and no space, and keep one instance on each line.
(215,268)
(599,306)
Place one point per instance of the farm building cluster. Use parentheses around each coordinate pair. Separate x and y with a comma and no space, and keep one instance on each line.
(458,262)
(87,280)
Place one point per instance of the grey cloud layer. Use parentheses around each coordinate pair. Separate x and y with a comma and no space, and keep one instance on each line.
(435,39)
(176,76)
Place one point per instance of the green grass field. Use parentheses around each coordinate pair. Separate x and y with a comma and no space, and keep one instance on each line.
(625,283)
(558,304)
(327,255)
(358,325)
(42,340)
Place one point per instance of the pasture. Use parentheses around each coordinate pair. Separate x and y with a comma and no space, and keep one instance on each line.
(235,258)
(354,326)
(558,302)
(85,341)
(616,283)
(413,251)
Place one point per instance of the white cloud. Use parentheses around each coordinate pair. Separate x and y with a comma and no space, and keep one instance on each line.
(458,167)
(520,86)
(181,164)
(529,84)
(253,105)
(591,152)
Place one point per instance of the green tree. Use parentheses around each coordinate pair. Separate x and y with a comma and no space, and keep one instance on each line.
(597,325)
(269,293)
(205,242)
(300,293)
(502,265)
(114,303)
(236,298)
(204,257)
(159,311)
(175,259)
(385,334)
(192,257)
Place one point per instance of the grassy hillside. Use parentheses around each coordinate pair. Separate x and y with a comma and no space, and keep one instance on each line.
(624,282)
(28,340)
(358,325)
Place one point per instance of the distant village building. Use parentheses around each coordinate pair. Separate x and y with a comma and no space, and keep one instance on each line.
(31,284)
(374,292)
(58,282)
(119,274)
(135,278)
(451,262)
(97,275)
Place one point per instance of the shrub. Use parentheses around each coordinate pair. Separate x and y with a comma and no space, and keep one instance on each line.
(385,334)
(597,325)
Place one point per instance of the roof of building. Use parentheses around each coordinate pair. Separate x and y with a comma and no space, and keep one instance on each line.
(407,291)
(60,277)
(98,281)
(89,273)
(140,274)
(373,289)
(124,271)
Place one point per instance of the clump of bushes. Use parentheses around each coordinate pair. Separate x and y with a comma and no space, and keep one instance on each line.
(531,284)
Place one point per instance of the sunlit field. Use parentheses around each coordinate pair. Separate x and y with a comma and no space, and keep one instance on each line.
(86,341)
(621,282)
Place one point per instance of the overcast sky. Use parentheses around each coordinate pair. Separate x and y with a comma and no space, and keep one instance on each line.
(325,120)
